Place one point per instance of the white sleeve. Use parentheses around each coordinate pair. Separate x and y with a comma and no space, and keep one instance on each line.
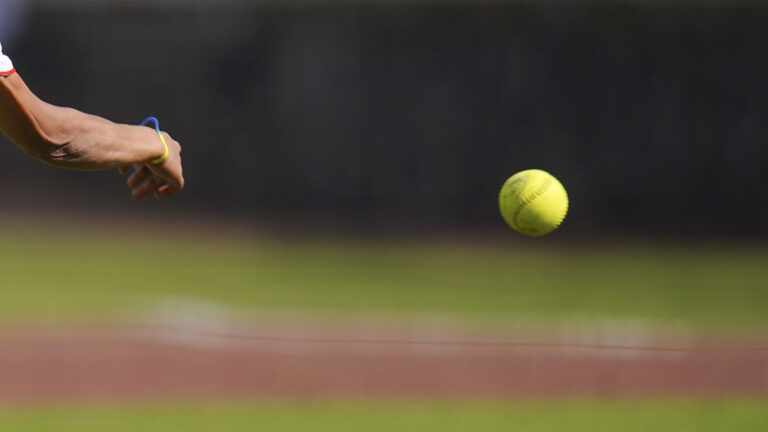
(6,67)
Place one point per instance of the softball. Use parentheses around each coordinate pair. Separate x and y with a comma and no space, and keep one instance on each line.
(533,202)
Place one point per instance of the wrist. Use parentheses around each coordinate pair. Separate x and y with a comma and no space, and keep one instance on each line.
(160,159)
(151,148)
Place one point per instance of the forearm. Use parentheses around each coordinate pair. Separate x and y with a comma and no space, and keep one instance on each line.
(84,141)
(68,138)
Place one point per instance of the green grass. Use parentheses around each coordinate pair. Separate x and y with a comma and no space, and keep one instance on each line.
(571,416)
(54,276)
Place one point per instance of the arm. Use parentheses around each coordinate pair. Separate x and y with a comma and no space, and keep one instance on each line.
(67,138)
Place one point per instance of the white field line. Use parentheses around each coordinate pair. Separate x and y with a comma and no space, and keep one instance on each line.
(201,325)
(258,342)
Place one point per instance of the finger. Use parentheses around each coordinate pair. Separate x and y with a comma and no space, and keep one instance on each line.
(168,137)
(139,175)
(162,192)
(124,169)
(147,187)
(166,191)
(177,183)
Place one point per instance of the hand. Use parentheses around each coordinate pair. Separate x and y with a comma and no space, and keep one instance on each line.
(164,179)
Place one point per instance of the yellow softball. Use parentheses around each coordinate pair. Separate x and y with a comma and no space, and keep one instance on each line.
(533,202)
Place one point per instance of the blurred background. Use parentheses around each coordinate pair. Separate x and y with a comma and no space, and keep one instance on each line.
(404,115)
(343,161)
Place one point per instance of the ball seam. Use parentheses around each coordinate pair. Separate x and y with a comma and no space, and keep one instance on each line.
(562,218)
(529,199)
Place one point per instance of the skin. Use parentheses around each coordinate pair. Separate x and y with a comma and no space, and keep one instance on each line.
(67,138)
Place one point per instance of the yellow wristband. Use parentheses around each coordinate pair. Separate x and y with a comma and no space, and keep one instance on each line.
(161,159)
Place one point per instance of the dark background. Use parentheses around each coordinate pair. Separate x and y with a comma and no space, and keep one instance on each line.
(399,117)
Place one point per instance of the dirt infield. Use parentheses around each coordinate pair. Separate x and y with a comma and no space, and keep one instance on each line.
(161,362)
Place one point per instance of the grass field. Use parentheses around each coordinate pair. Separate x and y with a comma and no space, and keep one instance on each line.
(93,276)
(103,275)
(572,416)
